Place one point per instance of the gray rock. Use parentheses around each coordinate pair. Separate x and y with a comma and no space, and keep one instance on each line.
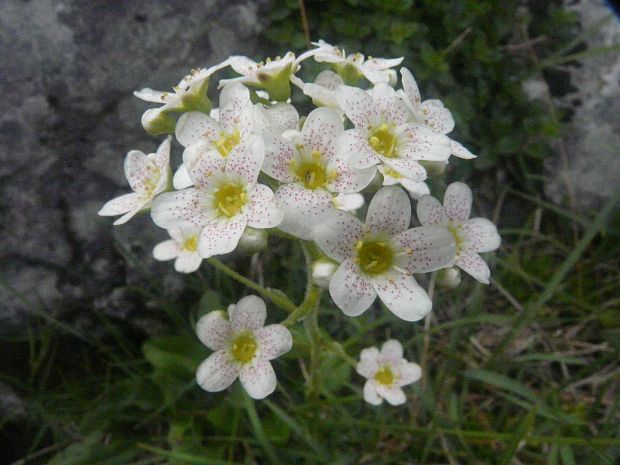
(592,139)
(69,68)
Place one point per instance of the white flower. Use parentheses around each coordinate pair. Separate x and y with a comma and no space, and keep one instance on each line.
(209,143)
(223,204)
(243,348)
(386,373)
(471,235)
(182,247)
(430,112)
(148,175)
(383,134)
(188,94)
(354,65)
(380,257)
(311,171)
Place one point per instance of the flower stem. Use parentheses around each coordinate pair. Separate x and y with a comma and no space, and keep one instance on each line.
(427,330)
(277,297)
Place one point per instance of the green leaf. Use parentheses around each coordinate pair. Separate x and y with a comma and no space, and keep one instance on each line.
(177,355)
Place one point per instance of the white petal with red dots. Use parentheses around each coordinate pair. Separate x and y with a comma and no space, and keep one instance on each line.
(217,372)
(258,379)
(389,211)
(249,314)
(351,292)
(273,341)
(263,211)
(402,295)
(473,264)
(425,249)
(457,201)
(337,233)
(214,330)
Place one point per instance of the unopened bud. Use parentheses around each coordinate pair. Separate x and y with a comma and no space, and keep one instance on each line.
(449,278)
(322,271)
(252,241)
(156,122)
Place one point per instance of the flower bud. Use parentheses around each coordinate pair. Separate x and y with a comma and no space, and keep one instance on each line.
(252,241)
(322,271)
(449,278)
(156,122)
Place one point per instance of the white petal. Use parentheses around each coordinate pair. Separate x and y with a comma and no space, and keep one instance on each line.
(410,86)
(422,143)
(181,179)
(349,179)
(258,379)
(136,168)
(415,189)
(122,204)
(279,153)
(129,215)
(368,364)
(370,393)
(320,130)
(249,314)
(194,125)
(150,95)
(392,351)
(409,372)
(263,212)
(337,233)
(351,291)
(430,211)
(221,237)
(389,211)
(426,248)
(246,159)
(406,167)
(235,106)
(242,65)
(357,105)
(458,150)
(457,201)
(217,372)
(179,210)
(402,295)
(162,156)
(328,79)
(283,116)
(202,162)
(481,235)
(473,264)
(388,105)
(393,394)
(274,340)
(353,146)
(166,250)
(187,262)
(302,208)
(213,330)
(348,202)
(437,116)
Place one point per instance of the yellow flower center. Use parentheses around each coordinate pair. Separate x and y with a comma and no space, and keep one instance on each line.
(230,199)
(383,141)
(385,376)
(227,142)
(191,244)
(311,172)
(244,348)
(391,172)
(374,257)
(454,229)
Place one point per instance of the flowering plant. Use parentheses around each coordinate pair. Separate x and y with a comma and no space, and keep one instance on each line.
(254,166)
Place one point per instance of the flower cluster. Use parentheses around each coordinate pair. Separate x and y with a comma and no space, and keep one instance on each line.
(255,164)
